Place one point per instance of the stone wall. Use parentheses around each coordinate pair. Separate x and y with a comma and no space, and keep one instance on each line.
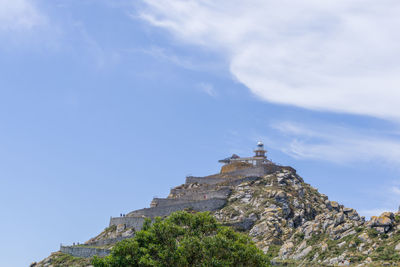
(256,171)
(232,181)
(182,189)
(234,166)
(235,182)
(202,193)
(163,202)
(84,252)
(205,180)
(130,222)
(204,205)
(109,241)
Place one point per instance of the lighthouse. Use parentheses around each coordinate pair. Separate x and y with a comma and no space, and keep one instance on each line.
(259,157)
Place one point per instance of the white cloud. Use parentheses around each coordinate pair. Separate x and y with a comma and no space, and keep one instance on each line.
(335,144)
(335,55)
(19,15)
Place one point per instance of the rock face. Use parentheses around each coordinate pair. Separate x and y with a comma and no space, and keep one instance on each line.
(287,218)
(298,223)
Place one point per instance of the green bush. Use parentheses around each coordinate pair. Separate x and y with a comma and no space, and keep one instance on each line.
(273,251)
(358,229)
(299,236)
(185,239)
(372,233)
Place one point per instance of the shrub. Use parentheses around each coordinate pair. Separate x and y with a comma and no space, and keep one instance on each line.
(185,239)
(372,233)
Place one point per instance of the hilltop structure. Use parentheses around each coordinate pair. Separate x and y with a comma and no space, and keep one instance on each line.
(209,193)
(257,160)
(286,217)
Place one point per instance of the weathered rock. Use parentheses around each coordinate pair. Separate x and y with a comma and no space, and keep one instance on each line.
(385,219)
(334,205)
(120,228)
(342,244)
(339,218)
(302,254)
(364,237)
(285,250)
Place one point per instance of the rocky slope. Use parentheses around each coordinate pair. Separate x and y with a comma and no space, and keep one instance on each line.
(293,222)
(287,218)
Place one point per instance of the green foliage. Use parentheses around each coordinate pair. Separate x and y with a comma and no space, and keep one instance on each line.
(357,258)
(358,229)
(357,241)
(333,247)
(185,239)
(386,254)
(273,251)
(315,250)
(372,233)
(315,239)
(397,218)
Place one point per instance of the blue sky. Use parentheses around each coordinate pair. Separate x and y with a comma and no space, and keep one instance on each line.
(106,104)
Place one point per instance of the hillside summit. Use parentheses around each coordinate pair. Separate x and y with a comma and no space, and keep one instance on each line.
(288,219)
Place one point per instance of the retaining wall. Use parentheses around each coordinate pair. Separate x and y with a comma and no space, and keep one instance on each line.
(84,252)
(256,171)
(109,241)
(204,205)
(187,188)
(201,193)
(232,181)
(205,180)
(163,202)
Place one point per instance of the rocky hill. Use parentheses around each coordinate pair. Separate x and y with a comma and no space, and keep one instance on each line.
(286,217)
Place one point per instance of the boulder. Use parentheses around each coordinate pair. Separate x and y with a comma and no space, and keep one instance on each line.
(385,219)
(334,205)
(339,218)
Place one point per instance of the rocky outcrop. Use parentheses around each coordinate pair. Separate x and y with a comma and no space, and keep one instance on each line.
(293,221)
(287,218)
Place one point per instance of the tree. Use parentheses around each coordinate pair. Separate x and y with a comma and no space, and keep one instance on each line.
(185,239)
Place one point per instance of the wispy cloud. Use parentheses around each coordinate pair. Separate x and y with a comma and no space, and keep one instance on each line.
(162,53)
(19,15)
(335,144)
(395,190)
(338,55)
(101,57)
(208,89)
